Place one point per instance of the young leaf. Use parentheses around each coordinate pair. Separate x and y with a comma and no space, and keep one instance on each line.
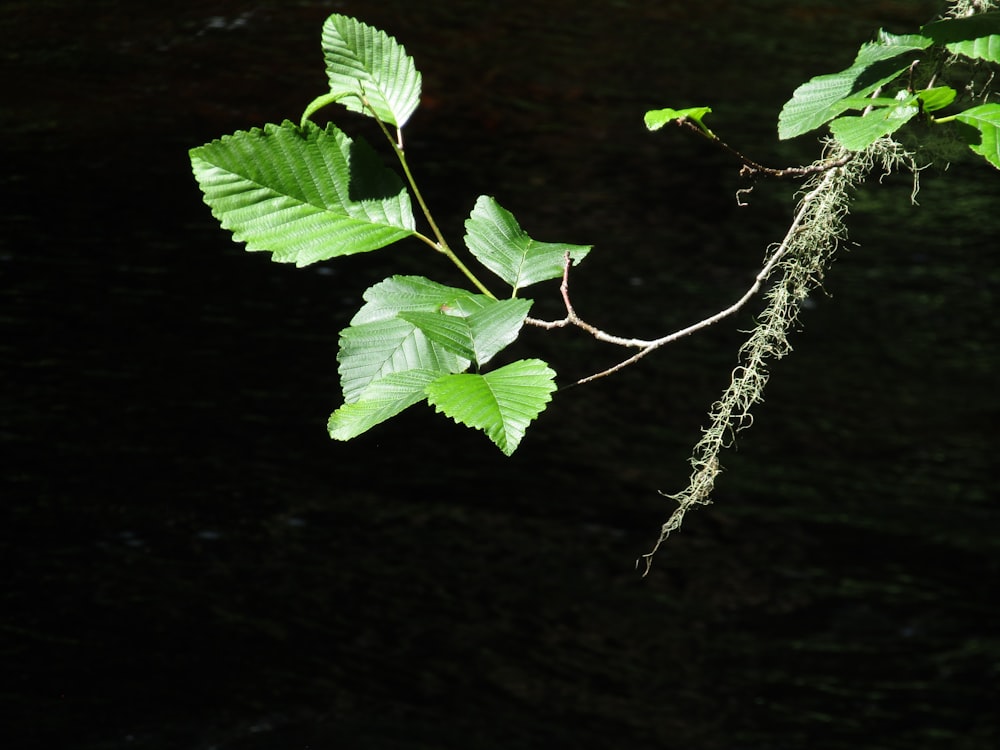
(657,118)
(363,60)
(304,195)
(478,336)
(986,119)
(976,36)
(936,98)
(380,400)
(502,403)
(824,97)
(497,240)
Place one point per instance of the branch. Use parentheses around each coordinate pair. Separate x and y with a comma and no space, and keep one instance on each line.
(646,346)
(751,168)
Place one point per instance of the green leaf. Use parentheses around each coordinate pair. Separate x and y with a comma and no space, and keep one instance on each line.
(478,336)
(372,351)
(386,299)
(936,98)
(380,400)
(502,403)
(985,48)
(933,99)
(363,60)
(497,240)
(304,195)
(378,342)
(824,97)
(976,36)
(986,119)
(858,133)
(657,118)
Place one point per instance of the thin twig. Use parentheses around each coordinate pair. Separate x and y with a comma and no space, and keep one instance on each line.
(647,346)
(751,168)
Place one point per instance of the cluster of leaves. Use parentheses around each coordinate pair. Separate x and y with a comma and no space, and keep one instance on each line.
(307,193)
(892,64)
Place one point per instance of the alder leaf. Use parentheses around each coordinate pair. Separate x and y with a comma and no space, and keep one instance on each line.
(824,97)
(976,36)
(657,118)
(372,351)
(380,400)
(986,119)
(379,342)
(477,336)
(302,194)
(497,240)
(502,403)
(384,300)
(857,133)
(936,98)
(363,60)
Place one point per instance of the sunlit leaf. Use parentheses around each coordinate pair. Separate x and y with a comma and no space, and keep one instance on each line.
(858,133)
(986,119)
(378,342)
(502,403)
(304,195)
(976,36)
(384,300)
(864,102)
(362,59)
(985,48)
(824,97)
(478,336)
(497,240)
(380,400)
(372,351)
(657,118)
(936,98)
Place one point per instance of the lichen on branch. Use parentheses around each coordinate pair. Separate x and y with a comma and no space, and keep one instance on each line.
(798,264)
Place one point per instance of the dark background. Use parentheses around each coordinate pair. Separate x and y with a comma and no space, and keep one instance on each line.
(192,563)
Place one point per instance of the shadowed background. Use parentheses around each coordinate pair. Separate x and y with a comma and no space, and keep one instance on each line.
(193,563)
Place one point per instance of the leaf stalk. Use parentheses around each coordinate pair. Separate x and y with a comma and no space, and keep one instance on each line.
(441,245)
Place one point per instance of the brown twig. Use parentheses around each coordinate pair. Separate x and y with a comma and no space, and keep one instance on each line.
(752,168)
(646,346)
